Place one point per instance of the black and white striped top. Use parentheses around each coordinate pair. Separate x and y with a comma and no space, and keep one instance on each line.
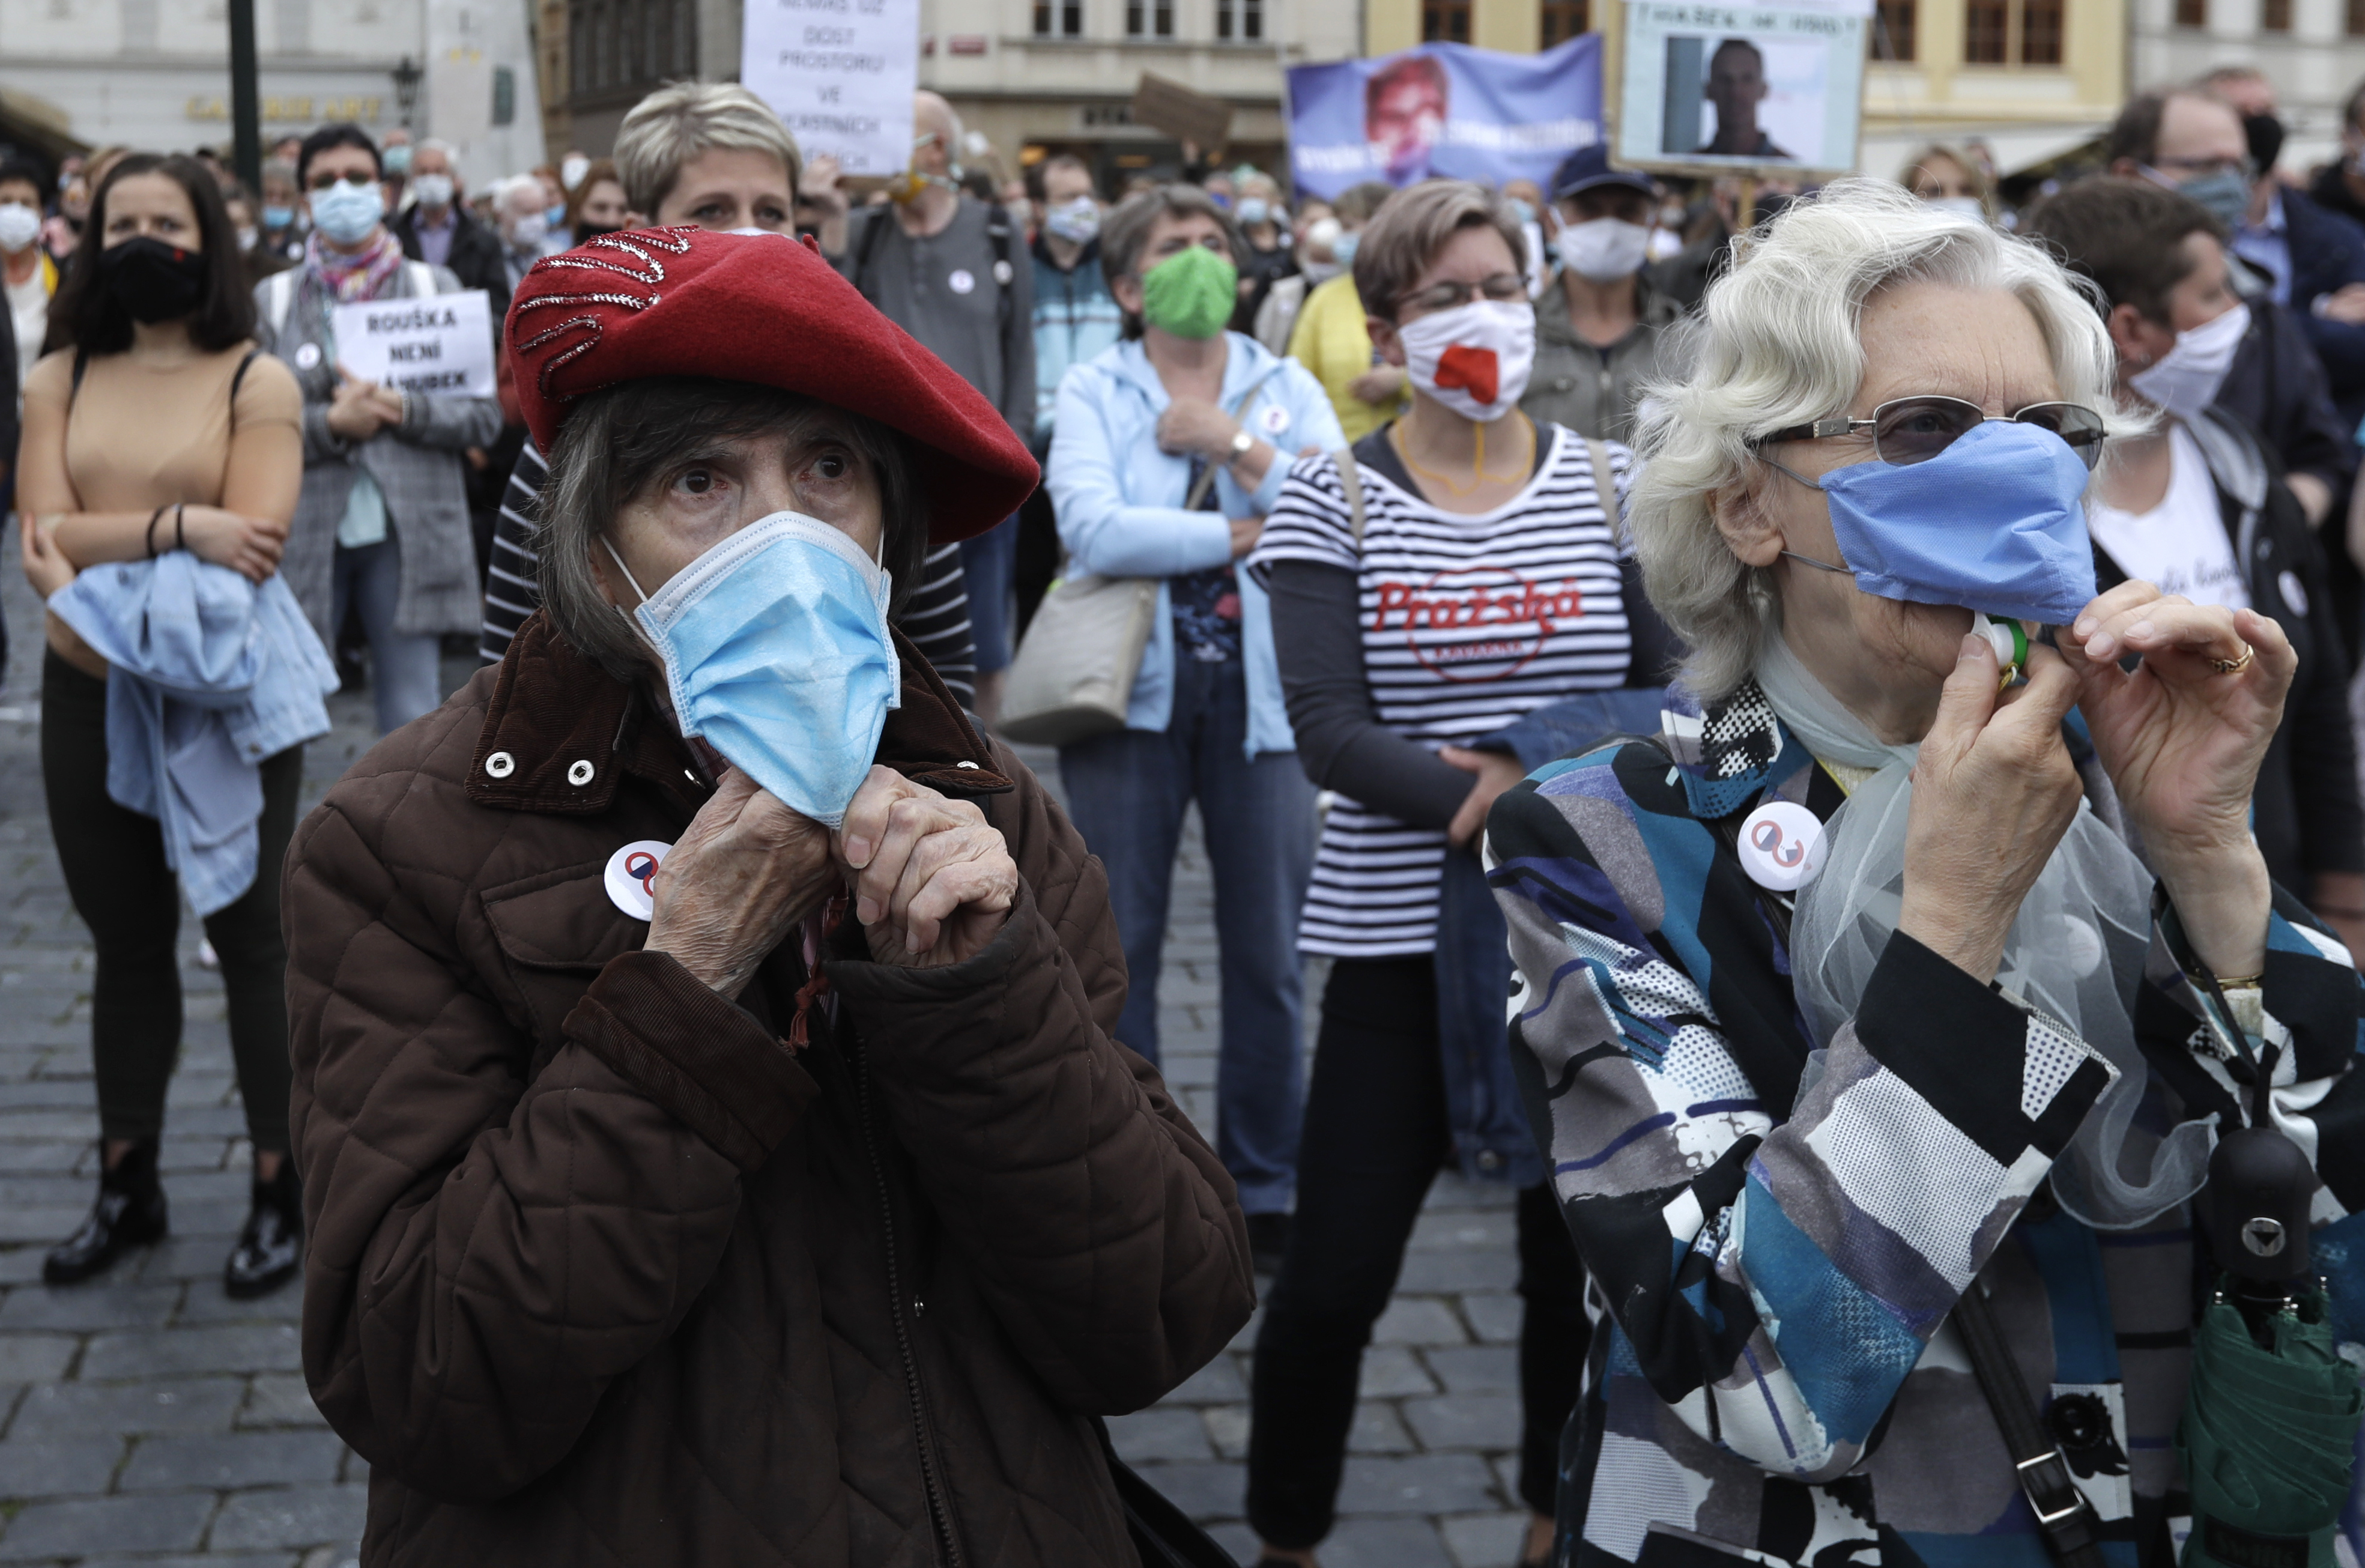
(1469,624)
(935,617)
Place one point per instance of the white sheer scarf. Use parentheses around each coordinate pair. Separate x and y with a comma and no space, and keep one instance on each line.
(2075,953)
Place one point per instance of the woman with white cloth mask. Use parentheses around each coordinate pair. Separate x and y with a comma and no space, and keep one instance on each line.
(1842,992)
(2197,506)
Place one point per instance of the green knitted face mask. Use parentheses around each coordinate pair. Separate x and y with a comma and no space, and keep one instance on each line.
(1190,294)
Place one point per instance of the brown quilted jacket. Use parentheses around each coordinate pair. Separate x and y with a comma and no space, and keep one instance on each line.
(602,1273)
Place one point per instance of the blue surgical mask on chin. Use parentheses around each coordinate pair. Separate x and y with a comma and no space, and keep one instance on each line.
(777,655)
(1996,522)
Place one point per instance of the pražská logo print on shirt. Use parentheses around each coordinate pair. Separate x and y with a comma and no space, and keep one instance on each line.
(1476,622)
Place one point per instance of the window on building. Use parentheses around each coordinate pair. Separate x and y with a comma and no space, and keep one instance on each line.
(1564,20)
(1892,29)
(1059,19)
(2274,16)
(2195,13)
(622,50)
(2354,21)
(2013,32)
(1239,21)
(1149,18)
(1445,21)
(2040,31)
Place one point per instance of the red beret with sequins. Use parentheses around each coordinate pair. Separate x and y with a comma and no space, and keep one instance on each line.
(763,308)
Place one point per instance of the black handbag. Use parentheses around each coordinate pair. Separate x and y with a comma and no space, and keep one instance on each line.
(1163,1533)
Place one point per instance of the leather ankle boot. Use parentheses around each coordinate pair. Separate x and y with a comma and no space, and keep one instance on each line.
(271,1247)
(130,1213)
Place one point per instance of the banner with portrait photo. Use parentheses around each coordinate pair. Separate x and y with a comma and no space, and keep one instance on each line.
(1443,109)
(1705,86)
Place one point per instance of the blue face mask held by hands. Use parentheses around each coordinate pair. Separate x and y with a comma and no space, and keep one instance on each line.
(1995,522)
(777,655)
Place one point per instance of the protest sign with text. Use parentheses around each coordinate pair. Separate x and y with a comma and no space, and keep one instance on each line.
(840,74)
(1713,87)
(440,344)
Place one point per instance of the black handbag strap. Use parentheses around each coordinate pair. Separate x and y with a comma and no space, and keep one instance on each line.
(1163,1533)
(2064,1518)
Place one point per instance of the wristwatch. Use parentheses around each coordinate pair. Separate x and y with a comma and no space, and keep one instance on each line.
(1242,445)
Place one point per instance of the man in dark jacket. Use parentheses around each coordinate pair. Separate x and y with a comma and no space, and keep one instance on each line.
(439,228)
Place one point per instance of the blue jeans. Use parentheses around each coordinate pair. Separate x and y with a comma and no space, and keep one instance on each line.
(1127,793)
(986,562)
(404,679)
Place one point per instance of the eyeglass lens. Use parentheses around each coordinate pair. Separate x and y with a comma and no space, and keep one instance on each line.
(1914,430)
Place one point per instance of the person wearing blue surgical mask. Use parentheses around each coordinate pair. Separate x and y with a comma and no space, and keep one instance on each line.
(2180,508)
(712,958)
(1789,968)
(1267,258)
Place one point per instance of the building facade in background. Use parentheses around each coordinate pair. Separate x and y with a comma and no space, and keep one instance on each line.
(2313,52)
(156,74)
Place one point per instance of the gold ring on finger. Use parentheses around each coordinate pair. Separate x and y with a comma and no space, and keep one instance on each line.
(2234,667)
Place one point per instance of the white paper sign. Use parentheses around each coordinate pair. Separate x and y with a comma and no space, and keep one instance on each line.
(840,73)
(438,346)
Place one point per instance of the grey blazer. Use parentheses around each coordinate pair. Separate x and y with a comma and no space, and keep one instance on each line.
(417,464)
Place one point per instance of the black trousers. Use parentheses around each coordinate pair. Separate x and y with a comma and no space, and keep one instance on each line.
(115,869)
(1375,1137)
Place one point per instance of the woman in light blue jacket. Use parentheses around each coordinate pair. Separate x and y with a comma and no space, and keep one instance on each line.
(1170,448)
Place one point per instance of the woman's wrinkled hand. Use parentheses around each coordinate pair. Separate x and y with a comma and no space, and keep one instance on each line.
(1193,427)
(932,882)
(1994,790)
(744,873)
(249,546)
(2182,741)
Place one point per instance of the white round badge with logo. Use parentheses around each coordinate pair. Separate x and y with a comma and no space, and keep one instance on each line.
(1782,845)
(2294,592)
(632,876)
(1275,418)
(308,355)
(962,280)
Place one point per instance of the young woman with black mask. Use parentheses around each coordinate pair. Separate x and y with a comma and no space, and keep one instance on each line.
(157,426)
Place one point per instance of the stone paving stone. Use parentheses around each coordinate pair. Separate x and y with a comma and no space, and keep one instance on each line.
(1494,1318)
(1392,1371)
(228,1347)
(84,1526)
(1484,1540)
(35,1358)
(281,1399)
(1418,1484)
(1477,1369)
(1465,1420)
(87,1409)
(301,1516)
(1220,1381)
(57,1467)
(1437,1273)
(245,1458)
(209,1303)
(210,1559)
(1204,1491)
(1384,1544)
(1419,1320)
(1165,1432)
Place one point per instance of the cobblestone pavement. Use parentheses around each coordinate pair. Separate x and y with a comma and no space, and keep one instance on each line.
(147,1420)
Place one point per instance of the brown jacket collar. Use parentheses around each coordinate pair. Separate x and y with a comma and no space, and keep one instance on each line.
(560,732)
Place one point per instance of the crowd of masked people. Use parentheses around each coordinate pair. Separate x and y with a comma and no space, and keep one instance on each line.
(848,1140)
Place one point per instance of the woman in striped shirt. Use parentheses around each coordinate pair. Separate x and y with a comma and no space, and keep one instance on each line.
(1462,575)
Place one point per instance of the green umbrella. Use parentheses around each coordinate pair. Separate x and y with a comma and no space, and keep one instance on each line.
(2268,1438)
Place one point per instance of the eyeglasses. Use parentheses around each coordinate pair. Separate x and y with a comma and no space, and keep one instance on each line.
(1906,431)
(1502,288)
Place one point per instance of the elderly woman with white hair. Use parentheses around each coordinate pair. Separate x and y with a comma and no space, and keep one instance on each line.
(1881,1014)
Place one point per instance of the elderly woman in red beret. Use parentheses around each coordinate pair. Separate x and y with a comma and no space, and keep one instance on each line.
(713,1146)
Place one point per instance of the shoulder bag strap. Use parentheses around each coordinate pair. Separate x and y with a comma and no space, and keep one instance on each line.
(82,364)
(423,280)
(2064,1518)
(278,297)
(238,379)
(868,247)
(1208,474)
(1605,482)
(1350,480)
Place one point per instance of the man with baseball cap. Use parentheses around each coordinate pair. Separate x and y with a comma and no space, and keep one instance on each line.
(1601,329)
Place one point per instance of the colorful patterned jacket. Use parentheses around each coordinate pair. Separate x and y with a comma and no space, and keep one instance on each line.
(1775,1233)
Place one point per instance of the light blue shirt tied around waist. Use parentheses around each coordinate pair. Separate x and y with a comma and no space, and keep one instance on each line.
(210,676)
